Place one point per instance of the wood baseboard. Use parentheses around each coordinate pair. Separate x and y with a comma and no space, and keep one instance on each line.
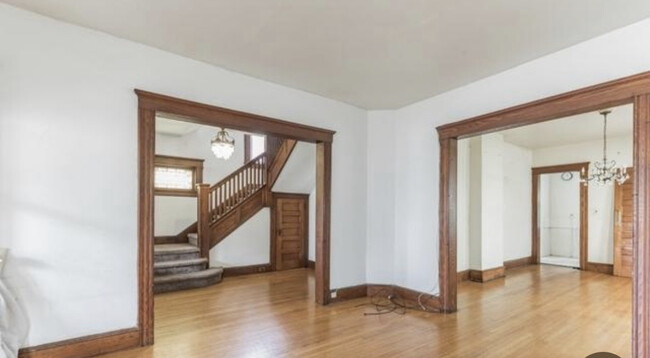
(311,264)
(349,293)
(487,275)
(524,261)
(88,346)
(245,270)
(462,276)
(414,299)
(600,268)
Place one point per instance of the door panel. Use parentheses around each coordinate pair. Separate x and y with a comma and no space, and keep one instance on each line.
(624,228)
(290,219)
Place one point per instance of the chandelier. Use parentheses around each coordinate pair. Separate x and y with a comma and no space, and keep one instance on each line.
(604,172)
(223,145)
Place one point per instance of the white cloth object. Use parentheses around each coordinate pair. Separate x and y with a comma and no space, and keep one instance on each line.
(13,324)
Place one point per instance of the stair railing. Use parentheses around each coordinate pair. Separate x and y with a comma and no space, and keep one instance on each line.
(218,200)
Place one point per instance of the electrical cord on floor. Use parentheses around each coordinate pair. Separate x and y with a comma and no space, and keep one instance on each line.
(386,301)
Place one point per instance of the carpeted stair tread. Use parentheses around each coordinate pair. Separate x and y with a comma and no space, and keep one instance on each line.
(179,263)
(174,249)
(211,272)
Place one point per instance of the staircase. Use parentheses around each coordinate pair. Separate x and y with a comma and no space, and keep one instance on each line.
(222,208)
(179,267)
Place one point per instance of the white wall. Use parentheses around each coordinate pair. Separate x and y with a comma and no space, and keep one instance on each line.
(561,232)
(68,159)
(299,173)
(601,198)
(417,149)
(544,214)
(494,213)
(382,239)
(517,209)
(463,206)
(248,245)
(311,247)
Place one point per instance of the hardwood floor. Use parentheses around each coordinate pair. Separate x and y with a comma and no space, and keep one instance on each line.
(536,311)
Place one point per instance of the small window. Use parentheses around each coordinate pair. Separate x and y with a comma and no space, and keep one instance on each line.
(254,145)
(175,176)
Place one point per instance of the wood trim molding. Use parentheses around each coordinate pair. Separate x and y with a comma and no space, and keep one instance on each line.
(151,103)
(195,112)
(246,270)
(633,89)
(311,264)
(323,204)
(447,216)
(414,299)
(592,98)
(462,276)
(641,275)
(348,293)
(524,261)
(487,275)
(88,346)
(600,267)
(582,167)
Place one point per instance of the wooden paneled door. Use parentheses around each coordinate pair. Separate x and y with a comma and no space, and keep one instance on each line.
(289,230)
(624,227)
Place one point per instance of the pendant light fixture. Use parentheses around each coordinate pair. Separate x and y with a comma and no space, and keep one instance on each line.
(604,172)
(223,145)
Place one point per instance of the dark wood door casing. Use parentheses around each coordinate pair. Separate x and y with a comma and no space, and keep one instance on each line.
(149,104)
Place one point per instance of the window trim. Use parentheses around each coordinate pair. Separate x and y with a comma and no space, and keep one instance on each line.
(193,164)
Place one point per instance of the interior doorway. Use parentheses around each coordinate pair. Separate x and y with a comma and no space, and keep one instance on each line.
(149,106)
(633,89)
(560,215)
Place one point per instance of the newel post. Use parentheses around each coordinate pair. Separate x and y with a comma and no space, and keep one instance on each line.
(203,218)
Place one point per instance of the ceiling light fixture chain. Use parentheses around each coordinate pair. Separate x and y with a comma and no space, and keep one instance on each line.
(605,172)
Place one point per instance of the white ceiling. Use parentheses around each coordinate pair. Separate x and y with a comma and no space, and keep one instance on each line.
(376,54)
(175,128)
(575,129)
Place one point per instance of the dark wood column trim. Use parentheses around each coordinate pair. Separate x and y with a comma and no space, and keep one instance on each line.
(641,276)
(323,203)
(447,265)
(201,113)
(146,155)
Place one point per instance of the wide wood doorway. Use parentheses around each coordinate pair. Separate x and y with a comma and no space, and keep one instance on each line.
(633,89)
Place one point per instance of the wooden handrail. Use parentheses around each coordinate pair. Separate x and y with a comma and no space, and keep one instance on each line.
(249,163)
(236,187)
